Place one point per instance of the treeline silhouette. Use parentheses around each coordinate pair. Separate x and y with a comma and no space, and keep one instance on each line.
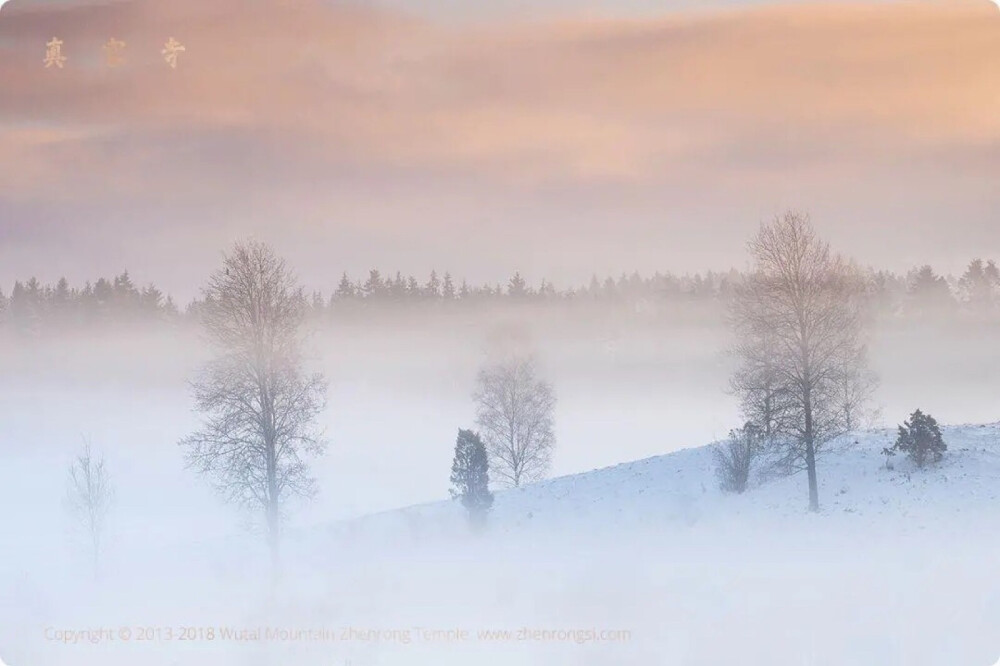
(34,307)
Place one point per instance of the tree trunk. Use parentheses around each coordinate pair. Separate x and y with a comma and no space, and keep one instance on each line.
(273,512)
(96,547)
(274,538)
(515,459)
(273,508)
(811,468)
(811,455)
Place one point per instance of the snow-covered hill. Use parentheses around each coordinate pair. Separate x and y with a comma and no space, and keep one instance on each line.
(681,489)
(900,567)
(642,564)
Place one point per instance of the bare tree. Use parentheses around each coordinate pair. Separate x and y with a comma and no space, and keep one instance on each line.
(259,403)
(89,497)
(799,315)
(764,400)
(856,390)
(735,458)
(514,409)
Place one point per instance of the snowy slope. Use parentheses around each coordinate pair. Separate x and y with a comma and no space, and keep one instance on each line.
(681,488)
(900,568)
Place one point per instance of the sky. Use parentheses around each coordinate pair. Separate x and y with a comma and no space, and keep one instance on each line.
(559,139)
(465,10)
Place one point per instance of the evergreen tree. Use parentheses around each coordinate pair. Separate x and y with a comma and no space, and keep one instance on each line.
(448,289)
(977,286)
(374,287)
(151,299)
(929,292)
(61,295)
(124,284)
(35,298)
(610,291)
(992,274)
(412,287)
(103,292)
(517,288)
(398,287)
(594,290)
(345,289)
(125,297)
(920,439)
(25,306)
(433,288)
(470,477)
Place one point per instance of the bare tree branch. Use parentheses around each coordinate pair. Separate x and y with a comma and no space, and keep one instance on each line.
(515,413)
(89,497)
(802,376)
(259,404)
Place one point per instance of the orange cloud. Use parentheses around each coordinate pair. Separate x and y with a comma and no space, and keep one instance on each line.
(312,88)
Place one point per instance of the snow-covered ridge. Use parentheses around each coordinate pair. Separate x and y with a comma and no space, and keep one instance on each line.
(681,488)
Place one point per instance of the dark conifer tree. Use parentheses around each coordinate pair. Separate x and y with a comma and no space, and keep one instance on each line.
(398,287)
(517,288)
(920,439)
(978,287)
(610,291)
(594,290)
(61,295)
(151,299)
(929,292)
(992,274)
(448,288)
(412,287)
(345,289)
(433,287)
(470,477)
(374,287)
